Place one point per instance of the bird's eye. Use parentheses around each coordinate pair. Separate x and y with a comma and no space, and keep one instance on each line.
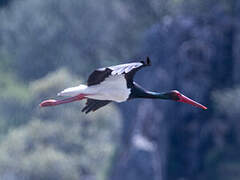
(176,95)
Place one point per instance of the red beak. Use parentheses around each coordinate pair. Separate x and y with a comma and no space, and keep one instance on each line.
(187,100)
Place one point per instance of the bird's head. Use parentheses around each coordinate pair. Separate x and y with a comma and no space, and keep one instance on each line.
(179,97)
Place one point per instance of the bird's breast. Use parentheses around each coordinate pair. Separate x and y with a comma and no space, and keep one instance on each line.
(118,95)
(113,88)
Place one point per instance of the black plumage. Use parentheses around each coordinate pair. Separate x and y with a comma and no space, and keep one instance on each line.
(115,84)
(93,105)
(99,75)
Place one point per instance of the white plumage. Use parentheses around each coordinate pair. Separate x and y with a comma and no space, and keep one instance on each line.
(104,85)
(113,84)
(113,88)
(124,68)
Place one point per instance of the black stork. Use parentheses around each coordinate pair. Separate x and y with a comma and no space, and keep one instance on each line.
(114,84)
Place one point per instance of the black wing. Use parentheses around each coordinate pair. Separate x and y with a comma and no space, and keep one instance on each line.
(93,105)
(129,75)
(98,76)
(129,70)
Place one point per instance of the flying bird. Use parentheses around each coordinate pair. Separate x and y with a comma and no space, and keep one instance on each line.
(114,84)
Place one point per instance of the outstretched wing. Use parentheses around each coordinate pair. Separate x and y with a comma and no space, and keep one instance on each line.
(93,105)
(129,70)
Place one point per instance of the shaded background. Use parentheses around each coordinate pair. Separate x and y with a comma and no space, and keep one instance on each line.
(48,45)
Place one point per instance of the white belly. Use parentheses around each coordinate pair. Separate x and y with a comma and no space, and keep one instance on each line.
(118,95)
(113,88)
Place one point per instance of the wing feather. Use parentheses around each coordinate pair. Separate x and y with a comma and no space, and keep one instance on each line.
(93,105)
(98,76)
(129,70)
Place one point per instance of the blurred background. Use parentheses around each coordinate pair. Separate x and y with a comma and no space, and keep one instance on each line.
(48,45)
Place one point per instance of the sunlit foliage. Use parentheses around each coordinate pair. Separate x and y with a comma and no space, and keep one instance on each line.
(48,45)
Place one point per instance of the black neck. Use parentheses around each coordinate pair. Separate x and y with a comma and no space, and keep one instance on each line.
(139,92)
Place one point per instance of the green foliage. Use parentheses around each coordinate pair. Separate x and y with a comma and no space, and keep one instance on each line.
(59,143)
(46,35)
(46,46)
(52,83)
(12,89)
(79,148)
(14,96)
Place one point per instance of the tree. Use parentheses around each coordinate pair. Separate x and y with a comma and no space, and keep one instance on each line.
(59,143)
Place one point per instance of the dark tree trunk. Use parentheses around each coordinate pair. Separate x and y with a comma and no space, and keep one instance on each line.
(192,55)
